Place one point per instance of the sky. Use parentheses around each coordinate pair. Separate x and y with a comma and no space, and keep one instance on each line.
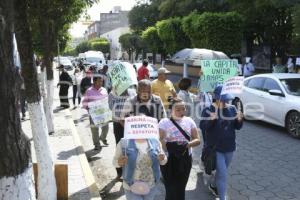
(104,6)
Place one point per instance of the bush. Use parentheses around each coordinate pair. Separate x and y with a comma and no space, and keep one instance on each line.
(217,31)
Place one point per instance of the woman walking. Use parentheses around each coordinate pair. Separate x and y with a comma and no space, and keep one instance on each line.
(140,160)
(76,83)
(219,121)
(178,135)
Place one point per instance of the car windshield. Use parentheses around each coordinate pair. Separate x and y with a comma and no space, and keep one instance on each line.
(93,59)
(291,85)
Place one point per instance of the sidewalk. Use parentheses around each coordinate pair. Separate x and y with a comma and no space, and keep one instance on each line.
(66,148)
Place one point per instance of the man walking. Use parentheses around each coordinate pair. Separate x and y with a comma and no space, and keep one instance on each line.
(143,72)
(163,87)
(95,93)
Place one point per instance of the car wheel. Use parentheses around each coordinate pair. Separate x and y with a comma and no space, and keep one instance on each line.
(293,124)
(238,104)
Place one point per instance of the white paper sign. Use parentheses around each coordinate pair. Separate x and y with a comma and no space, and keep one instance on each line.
(297,61)
(141,127)
(233,85)
(100,112)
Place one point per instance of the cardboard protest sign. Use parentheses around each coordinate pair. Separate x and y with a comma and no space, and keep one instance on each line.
(215,72)
(298,61)
(141,127)
(100,112)
(122,77)
(233,85)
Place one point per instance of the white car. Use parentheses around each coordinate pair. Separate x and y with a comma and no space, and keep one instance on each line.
(67,64)
(273,98)
(152,70)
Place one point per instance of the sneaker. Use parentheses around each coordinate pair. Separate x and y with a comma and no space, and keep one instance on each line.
(213,190)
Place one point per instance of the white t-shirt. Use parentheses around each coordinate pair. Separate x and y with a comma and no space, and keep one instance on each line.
(172,132)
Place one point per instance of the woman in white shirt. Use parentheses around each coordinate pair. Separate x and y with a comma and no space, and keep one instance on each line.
(178,135)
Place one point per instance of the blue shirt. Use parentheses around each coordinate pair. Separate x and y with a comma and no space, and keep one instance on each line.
(221,131)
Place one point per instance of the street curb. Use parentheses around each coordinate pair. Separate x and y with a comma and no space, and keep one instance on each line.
(87,172)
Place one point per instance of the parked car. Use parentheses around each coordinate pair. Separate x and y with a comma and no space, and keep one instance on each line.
(273,98)
(152,70)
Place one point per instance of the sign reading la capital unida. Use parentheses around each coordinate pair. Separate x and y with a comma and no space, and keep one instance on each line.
(141,127)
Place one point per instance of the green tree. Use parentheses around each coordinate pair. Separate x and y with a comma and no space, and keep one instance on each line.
(131,42)
(175,8)
(100,44)
(15,153)
(171,34)
(152,41)
(217,31)
(144,15)
(83,47)
(267,22)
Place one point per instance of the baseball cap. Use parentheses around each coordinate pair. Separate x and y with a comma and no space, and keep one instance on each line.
(221,97)
(163,70)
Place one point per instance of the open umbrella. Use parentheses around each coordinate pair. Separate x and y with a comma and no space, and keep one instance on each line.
(193,56)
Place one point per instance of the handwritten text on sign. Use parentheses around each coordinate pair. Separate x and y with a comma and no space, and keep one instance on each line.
(141,127)
(215,72)
(100,112)
(120,77)
(233,85)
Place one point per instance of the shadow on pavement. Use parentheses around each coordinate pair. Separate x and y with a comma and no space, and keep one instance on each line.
(201,190)
(57,109)
(81,119)
(91,155)
(81,194)
(65,155)
(266,125)
(105,192)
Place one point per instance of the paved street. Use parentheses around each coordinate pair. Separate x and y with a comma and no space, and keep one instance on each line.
(265,165)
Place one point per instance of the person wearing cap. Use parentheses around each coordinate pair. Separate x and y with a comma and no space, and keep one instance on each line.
(163,87)
(220,121)
(143,71)
(248,68)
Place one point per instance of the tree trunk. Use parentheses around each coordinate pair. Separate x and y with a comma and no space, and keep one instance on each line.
(46,179)
(16,180)
(48,44)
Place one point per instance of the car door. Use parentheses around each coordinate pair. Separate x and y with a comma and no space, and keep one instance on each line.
(252,98)
(273,105)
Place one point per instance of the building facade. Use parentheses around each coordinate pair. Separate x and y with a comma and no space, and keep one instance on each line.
(113,38)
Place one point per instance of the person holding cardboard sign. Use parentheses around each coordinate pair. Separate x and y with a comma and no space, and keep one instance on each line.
(141,160)
(178,135)
(94,93)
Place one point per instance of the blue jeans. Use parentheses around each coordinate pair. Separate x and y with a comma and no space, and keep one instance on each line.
(132,196)
(223,162)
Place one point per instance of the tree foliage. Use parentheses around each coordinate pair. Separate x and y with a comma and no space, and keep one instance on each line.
(175,8)
(143,15)
(131,42)
(171,34)
(267,22)
(218,31)
(152,40)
